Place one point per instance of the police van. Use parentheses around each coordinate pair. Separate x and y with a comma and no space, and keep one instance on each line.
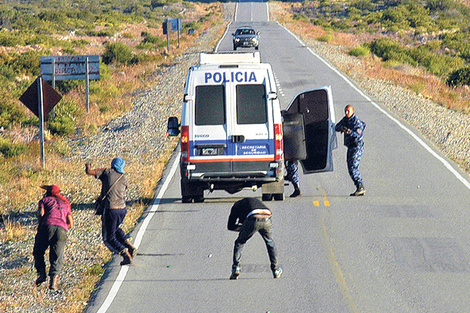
(232,128)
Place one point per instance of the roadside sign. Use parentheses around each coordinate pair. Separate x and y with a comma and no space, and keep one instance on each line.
(70,67)
(176,24)
(40,98)
(50,97)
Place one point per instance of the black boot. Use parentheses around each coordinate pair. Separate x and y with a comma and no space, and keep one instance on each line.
(126,257)
(41,278)
(132,250)
(360,191)
(296,191)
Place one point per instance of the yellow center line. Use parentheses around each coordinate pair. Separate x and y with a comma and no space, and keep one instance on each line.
(325,198)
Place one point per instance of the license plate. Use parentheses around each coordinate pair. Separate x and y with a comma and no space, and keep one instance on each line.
(210,151)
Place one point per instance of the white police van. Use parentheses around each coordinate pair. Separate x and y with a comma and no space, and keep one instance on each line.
(232,129)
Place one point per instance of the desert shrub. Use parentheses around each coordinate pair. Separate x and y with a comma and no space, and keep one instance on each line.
(428,56)
(10,39)
(120,53)
(26,63)
(325,38)
(388,49)
(363,5)
(62,121)
(8,149)
(65,86)
(459,77)
(62,125)
(359,51)
(11,114)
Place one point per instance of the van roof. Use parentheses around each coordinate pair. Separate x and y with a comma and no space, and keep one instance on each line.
(230,58)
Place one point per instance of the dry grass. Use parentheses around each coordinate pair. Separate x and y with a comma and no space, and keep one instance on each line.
(12,230)
(414,78)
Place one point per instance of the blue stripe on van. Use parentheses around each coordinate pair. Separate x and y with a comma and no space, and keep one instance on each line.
(249,147)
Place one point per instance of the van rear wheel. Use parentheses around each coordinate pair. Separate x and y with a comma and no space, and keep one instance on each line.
(186,199)
(278,197)
(267,196)
(199,199)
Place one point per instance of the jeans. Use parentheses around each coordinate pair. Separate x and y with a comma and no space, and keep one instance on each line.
(249,228)
(113,235)
(54,237)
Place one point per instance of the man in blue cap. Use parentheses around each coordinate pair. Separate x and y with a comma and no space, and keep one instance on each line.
(113,191)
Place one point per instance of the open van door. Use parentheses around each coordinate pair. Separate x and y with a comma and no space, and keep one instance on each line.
(316,107)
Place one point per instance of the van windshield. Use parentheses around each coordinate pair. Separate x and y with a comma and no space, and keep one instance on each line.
(251,104)
(210,105)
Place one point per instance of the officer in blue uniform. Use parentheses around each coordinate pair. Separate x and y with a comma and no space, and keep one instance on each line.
(292,168)
(353,129)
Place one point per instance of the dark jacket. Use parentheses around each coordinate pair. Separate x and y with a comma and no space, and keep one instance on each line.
(241,209)
(356,137)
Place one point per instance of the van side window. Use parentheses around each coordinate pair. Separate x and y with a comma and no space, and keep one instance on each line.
(251,104)
(210,105)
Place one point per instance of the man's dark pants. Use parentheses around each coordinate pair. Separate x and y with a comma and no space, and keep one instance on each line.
(113,235)
(55,237)
(249,228)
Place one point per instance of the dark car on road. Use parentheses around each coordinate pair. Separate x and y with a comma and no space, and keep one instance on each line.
(245,37)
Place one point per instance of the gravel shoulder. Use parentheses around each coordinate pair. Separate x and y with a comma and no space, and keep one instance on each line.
(140,137)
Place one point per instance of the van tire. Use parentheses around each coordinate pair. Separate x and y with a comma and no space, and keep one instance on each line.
(199,199)
(186,199)
(278,197)
(267,196)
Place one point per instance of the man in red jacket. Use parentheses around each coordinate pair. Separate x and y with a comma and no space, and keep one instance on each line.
(54,220)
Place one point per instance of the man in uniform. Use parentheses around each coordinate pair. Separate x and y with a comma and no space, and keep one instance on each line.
(249,216)
(353,129)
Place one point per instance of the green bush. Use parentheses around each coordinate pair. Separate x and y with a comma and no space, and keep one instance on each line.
(11,114)
(8,149)
(359,51)
(62,121)
(10,39)
(459,77)
(325,38)
(62,125)
(388,49)
(119,53)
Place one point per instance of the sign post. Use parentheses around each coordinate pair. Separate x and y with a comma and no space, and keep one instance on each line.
(41,121)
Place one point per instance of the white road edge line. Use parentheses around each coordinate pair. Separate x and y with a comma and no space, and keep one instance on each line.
(153,208)
(413,135)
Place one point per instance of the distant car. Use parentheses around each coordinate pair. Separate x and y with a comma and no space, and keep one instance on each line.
(245,37)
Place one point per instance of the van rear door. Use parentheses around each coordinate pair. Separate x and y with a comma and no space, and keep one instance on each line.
(251,129)
(316,106)
(208,144)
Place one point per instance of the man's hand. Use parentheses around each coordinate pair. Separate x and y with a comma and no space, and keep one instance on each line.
(345,130)
(88,169)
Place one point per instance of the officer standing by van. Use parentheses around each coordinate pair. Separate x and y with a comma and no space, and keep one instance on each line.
(353,129)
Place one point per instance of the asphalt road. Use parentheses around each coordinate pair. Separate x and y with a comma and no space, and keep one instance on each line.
(403,247)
